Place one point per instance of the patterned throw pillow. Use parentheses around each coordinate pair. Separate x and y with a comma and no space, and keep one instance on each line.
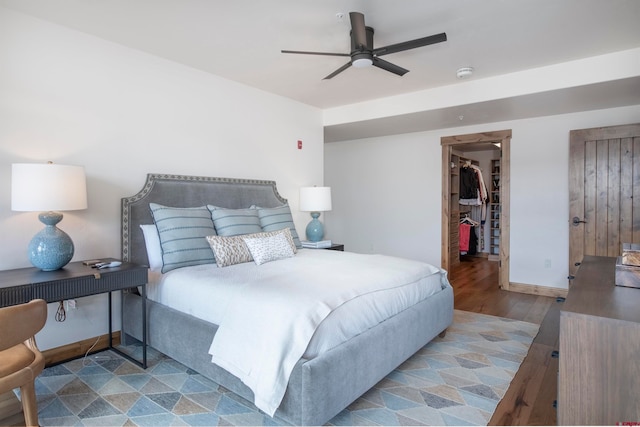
(234,222)
(230,250)
(272,219)
(269,248)
(182,232)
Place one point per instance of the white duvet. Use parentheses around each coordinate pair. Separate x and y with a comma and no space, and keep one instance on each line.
(270,316)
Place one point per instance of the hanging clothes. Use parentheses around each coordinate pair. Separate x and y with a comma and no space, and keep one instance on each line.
(464,236)
(468,184)
(467,236)
(477,214)
(473,241)
(482,187)
(473,191)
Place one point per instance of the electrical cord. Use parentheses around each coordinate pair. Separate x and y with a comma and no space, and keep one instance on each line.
(61,314)
(84,359)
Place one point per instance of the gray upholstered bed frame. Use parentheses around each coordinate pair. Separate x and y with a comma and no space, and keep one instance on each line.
(318,388)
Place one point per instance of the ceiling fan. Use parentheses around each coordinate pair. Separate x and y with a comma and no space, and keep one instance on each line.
(363,54)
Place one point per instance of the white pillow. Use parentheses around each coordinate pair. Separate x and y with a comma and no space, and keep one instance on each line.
(268,248)
(152,242)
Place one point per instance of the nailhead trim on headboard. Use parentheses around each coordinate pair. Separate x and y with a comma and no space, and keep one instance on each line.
(265,191)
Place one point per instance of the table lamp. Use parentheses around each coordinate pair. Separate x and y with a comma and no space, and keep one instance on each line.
(315,200)
(48,187)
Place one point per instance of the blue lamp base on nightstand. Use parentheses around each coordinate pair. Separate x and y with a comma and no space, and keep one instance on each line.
(51,248)
(315,229)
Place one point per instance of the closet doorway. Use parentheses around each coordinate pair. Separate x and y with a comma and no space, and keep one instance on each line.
(456,152)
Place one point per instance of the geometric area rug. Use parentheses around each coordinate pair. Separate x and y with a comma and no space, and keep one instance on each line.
(455,380)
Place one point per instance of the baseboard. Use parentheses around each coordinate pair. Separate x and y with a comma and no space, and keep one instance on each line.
(545,291)
(74,350)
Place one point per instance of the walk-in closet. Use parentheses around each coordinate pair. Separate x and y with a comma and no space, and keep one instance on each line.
(475,203)
(474,212)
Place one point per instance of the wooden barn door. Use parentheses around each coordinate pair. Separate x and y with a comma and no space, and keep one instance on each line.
(604,191)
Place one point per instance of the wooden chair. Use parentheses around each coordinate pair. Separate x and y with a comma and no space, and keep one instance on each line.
(20,360)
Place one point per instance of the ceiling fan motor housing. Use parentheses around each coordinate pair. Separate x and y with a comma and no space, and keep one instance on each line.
(362,56)
(368,48)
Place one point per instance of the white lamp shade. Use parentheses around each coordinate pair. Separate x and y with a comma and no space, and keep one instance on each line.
(47,187)
(315,199)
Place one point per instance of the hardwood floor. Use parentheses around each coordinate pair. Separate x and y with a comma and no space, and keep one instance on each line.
(530,398)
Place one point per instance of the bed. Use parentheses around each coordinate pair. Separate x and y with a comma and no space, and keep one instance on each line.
(319,385)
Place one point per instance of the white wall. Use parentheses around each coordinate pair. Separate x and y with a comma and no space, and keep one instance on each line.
(387,192)
(76,99)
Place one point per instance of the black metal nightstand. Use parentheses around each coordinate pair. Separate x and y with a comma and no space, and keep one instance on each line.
(336,247)
(75,280)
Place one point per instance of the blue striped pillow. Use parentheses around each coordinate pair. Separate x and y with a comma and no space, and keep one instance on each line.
(182,233)
(234,222)
(272,219)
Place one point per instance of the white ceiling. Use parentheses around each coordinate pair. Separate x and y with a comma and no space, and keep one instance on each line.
(241,40)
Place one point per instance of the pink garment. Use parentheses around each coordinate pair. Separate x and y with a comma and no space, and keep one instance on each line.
(463,237)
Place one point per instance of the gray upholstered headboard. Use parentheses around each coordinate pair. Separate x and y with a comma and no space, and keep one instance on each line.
(188,191)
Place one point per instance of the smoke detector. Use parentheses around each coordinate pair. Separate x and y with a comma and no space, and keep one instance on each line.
(464,72)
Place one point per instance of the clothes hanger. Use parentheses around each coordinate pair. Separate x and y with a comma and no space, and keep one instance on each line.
(469,221)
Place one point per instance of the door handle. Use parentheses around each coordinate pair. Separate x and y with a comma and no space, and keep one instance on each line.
(577,221)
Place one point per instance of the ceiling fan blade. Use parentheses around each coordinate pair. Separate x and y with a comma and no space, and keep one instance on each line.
(315,53)
(388,66)
(338,71)
(411,44)
(358,29)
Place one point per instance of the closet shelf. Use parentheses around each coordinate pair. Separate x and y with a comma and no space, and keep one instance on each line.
(494,211)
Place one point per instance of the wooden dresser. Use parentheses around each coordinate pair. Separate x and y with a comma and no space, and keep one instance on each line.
(599,366)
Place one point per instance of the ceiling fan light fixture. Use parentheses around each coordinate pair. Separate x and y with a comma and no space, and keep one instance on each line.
(362,62)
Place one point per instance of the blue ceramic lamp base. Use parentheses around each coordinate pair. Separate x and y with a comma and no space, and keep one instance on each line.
(315,229)
(51,248)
